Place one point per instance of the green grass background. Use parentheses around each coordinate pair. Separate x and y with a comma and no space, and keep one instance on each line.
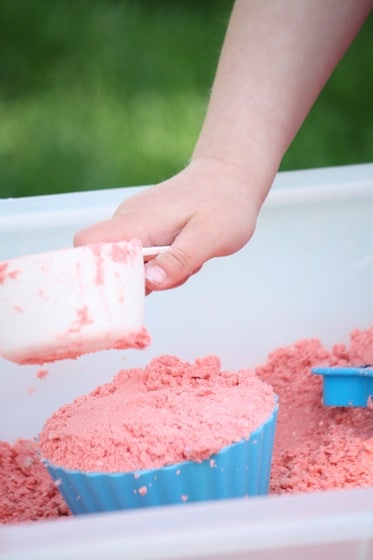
(106,93)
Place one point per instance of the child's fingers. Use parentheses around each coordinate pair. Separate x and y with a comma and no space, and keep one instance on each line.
(194,245)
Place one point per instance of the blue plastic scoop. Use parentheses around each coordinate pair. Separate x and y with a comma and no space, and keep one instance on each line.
(347,386)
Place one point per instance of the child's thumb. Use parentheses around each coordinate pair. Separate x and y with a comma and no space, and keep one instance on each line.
(185,256)
(169,269)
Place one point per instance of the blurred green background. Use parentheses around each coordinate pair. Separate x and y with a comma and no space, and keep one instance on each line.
(106,93)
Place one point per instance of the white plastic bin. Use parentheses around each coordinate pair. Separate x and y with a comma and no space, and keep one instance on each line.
(308,272)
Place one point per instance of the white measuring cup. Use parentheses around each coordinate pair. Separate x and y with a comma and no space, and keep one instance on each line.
(65,303)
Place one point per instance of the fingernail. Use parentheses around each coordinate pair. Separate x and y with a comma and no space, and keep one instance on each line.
(155,274)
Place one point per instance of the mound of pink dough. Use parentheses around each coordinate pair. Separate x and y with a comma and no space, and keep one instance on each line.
(27,493)
(170,411)
(318,447)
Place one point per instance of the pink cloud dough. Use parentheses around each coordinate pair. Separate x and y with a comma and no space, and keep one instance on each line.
(170,411)
(317,448)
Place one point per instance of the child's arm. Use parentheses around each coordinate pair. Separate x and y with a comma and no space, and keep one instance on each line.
(276,57)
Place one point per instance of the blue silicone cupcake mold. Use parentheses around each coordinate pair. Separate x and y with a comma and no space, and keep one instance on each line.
(346,386)
(239,470)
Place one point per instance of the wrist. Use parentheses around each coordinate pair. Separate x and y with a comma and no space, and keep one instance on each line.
(253,172)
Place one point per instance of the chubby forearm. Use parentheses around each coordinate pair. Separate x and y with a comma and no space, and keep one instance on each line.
(276,58)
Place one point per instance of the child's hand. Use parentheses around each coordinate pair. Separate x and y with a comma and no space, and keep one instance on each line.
(208,210)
